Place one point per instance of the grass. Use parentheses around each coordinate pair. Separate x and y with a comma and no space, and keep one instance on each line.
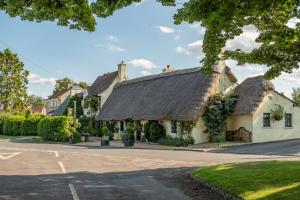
(22,138)
(274,180)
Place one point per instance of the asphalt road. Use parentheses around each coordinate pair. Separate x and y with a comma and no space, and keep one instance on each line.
(52,171)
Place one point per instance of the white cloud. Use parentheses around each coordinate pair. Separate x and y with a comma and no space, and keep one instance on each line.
(113,38)
(177,37)
(193,48)
(142,63)
(111,47)
(165,29)
(59,71)
(293,22)
(37,79)
(198,28)
(245,41)
(146,73)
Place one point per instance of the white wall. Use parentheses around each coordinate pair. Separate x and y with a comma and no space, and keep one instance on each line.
(277,131)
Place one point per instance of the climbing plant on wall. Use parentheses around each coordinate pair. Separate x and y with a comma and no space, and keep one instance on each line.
(219,108)
(277,113)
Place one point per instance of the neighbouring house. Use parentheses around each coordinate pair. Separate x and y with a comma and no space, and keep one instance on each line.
(175,95)
(38,109)
(102,87)
(58,102)
(252,119)
(183,95)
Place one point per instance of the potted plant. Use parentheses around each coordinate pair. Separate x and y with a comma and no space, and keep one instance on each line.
(129,136)
(105,136)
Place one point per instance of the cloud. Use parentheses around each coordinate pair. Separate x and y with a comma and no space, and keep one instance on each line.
(111,47)
(193,48)
(245,41)
(198,28)
(142,63)
(59,71)
(293,22)
(37,79)
(165,29)
(146,73)
(113,38)
(177,37)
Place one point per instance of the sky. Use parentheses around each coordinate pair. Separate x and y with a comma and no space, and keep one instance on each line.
(142,35)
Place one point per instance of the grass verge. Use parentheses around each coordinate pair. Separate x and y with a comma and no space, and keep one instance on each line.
(274,180)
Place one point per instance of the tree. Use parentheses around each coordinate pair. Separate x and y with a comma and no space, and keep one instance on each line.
(13,82)
(62,84)
(36,100)
(83,85)
(296,95)
(222,20)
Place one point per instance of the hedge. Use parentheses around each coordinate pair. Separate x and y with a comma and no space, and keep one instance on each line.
(30,124)
(57,128)
(13,125)
(156,131)
(2,119)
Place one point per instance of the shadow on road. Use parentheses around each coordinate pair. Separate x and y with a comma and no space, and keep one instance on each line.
(171,183)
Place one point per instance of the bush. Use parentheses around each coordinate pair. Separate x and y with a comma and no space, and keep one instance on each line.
(130,131)
(2,119)
(30,125)
(176,142)
(58,128)
(105,131)
(157,131)
(147,129)
(13,125)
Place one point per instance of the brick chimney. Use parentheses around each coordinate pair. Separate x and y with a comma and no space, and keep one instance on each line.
(168,68)
(122,75)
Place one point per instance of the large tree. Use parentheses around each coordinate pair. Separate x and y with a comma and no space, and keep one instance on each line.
(223,20)
(36,100)
(13,82)
(296,95)
(64,83)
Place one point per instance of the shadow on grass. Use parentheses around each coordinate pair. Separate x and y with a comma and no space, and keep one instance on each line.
(159,184)
(256,180)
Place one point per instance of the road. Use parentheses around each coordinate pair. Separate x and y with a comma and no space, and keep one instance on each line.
(54,171)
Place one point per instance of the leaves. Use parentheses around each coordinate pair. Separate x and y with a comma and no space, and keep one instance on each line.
(277,113)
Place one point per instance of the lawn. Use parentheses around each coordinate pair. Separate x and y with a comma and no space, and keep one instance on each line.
(274,180)
(22,138)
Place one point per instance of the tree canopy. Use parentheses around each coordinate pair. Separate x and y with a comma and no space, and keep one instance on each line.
(64,83)
(222,20)
(13,83)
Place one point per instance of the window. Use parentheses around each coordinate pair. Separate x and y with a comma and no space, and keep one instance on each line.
(173,126)
(121,126)
(266,122)
(288,120)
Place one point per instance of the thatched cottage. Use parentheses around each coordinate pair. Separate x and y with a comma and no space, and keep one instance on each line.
(183,95)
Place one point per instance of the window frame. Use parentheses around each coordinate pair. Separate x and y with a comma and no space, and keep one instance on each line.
(122,126)
(269,120)
(291,120)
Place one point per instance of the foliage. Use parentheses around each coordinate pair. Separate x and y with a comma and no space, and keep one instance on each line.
(83,85)
(105,131)
(28,113)
(277,113)
(79,109)
(296,95)
(30,125)
(87,125)
(220,107)
(156,131)
(13,82)
(186,127)
(3,116)
(91,102)
(56,128)
(147,129)
(62,84)
(130,130)
(36,100)
(267,180)
(13,125)
(177,141)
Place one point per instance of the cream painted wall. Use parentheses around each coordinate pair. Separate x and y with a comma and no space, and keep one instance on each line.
(197,132)
(277,131)
(237,121)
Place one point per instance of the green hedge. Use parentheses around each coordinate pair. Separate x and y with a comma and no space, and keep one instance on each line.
(30,125)
(2,119)
(58,128)
(13,125)
(156,131)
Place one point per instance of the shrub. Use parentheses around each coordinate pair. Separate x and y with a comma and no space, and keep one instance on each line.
(58,128)
(105,131)
(2,119)
(157,131)
(130,131)
(176,142)
(30,125)
(13,125)
(147,129)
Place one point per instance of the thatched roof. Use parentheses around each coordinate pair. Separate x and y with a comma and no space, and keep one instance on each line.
(251,93)
(58,94)
(102,83)
(177,95)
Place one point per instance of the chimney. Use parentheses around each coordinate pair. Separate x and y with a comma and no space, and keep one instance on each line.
(122,75)
(168,68)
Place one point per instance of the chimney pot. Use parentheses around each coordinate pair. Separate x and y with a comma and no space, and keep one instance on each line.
(168,68)
(122,75)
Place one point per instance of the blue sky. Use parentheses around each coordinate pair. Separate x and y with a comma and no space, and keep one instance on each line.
(144,36)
